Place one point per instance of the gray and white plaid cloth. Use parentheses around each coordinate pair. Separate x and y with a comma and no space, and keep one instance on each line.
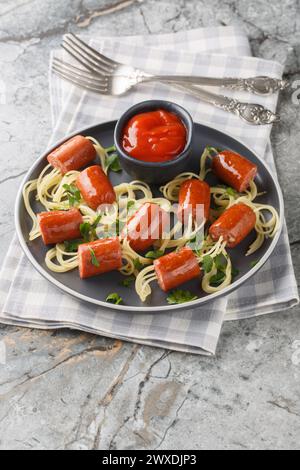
(29,300)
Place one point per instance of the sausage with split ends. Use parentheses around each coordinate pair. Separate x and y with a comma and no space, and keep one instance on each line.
(234,170)
(75,153)
(99,256)
(95,187)
(194,197)
(175,268)
(234,224)
(145,226)
(58,226)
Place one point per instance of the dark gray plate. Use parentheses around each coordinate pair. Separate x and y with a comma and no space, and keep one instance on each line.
(96,289)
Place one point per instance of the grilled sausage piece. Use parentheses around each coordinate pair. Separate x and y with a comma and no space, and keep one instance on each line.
(175,268)
(75,153)
(234,224)
(58,226)
(145,226)
(99,256)
(194,197)
(234,170)
(95,187)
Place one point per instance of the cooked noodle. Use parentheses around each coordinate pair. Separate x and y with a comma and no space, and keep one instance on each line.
(50,191)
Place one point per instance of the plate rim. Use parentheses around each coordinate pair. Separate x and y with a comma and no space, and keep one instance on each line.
(143,309)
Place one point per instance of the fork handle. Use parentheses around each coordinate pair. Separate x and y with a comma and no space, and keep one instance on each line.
(196,80)
(251,112)
(259,85)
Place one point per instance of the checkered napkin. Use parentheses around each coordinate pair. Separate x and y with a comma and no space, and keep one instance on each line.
(29,300)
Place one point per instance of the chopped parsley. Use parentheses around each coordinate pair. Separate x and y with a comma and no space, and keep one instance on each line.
(114,298)
(88,231)
(217,279)
(95,262)
(196,243)
(137,264)
(119,226)
(72,245)
(180,296)
(220,262)
(130,204)
(112,162)
(231,191)
(85,231)
(213,149)
(128,281)
(254,263)
(73,194)
(154,254)
(112,148)
(207,263)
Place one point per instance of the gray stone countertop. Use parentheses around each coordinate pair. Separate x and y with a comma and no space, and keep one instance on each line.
(67,390)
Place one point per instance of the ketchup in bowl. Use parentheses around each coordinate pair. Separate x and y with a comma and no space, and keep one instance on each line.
(154,136)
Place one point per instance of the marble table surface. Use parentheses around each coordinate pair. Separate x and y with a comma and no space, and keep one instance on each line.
(69,390)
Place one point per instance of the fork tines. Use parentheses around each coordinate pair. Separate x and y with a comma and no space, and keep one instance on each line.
(80,77)
(87,56)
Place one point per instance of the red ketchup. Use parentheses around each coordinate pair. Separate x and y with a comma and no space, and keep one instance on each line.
(155,136)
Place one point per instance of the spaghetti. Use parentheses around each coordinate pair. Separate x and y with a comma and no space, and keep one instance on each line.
(56,191)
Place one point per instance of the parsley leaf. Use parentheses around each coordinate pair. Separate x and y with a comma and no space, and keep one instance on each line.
(128,281)
(217,279)
(96,221)
(254,263)
(220,262)
(179,296)
(95,262)
(114,298)
(154,254)
(85,231)
(88,231)
(231,191)
(112,162)
(119,226)
(130,204)
(73,193)
(213,149)
(207,263)
(72,245)
(196,243)
(137,264)
(112,148)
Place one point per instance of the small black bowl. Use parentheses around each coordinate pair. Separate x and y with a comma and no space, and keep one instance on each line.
(154,172)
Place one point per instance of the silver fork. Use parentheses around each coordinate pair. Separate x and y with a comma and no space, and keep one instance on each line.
(120,77)
(112,78)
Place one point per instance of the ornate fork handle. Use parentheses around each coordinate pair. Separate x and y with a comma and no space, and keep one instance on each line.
(259,85)
(253,113)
